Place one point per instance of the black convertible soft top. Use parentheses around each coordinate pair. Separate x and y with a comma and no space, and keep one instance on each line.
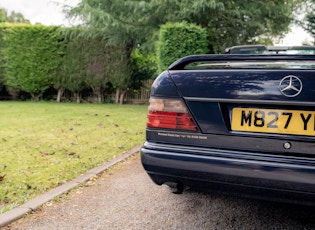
(262,49)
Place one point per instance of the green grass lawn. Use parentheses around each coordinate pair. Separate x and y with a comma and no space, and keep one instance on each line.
(43,145)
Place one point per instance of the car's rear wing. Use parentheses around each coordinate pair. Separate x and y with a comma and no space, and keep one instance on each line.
(300,61)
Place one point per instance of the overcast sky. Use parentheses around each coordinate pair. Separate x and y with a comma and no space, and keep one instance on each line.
(297,37)
(47,12)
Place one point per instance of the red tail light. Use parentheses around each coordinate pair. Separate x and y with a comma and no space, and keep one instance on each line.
(169,114)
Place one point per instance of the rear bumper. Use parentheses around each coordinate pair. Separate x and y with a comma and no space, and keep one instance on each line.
(255,175)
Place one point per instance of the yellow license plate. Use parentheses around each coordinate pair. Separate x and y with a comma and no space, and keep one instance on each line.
(274,121)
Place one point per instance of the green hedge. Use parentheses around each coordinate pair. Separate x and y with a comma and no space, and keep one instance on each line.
(1,57)
(177,40)
(36,59)
(32,57)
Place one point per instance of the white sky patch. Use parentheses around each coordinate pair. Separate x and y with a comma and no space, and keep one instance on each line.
(46,12)
(297,36)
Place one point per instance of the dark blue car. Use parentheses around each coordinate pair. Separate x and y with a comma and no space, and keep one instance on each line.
(237,123)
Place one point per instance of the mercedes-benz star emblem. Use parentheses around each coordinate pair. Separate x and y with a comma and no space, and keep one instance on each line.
(290,86)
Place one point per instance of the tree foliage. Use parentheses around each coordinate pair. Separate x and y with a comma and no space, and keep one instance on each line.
(72,72)
(310,24)
(118,24)
(143,67)
(228,22)
(13,17)
(245,21)
(32,56)
(309,20)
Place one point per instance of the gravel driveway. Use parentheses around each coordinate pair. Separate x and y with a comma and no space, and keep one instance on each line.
(125,198)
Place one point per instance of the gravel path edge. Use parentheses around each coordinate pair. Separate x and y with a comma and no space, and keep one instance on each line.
(18,212)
